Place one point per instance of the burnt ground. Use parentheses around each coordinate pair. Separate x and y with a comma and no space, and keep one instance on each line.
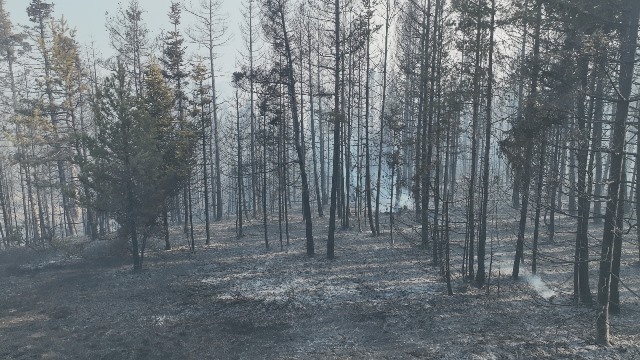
(235,300)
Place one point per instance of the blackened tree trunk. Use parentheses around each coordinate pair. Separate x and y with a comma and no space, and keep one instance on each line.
(264,181)
(192,239)
(281,181)
(435,119)
(313,130)
(419,153)
(539,185)
(517,181)
(239,207)
(531,125)
(205,179)
(571,168)
(614,299)
(323,160)
(484,211)
(637,192)
(291,89)
(165,228)
(447,184)
(254,162)
(628,42)
(553,184)
(367,150)
(424,130)
(526,180)
(596,147)
(471,218)
(344,123)
(347,146)
(358,197)
(581,290)
(382,114)
(336,139)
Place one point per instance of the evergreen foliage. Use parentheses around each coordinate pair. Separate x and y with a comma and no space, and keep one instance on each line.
(139,157)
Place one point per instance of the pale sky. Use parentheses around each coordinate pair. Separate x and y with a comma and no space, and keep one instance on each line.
(88,18)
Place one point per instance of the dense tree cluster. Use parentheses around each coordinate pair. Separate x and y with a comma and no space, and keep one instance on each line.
(367,107)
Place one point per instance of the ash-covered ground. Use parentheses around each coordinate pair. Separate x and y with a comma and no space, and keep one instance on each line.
(234,299)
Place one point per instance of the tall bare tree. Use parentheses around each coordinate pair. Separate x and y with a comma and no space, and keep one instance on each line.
(276,13)
(210,31)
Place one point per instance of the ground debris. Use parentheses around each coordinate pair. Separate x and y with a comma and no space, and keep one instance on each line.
(234,299)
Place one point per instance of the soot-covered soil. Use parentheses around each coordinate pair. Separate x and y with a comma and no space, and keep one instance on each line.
(235,300)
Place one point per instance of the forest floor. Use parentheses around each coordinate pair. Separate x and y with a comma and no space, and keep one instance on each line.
(235,300)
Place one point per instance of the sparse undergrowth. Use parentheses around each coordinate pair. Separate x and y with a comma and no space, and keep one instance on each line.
(233,299)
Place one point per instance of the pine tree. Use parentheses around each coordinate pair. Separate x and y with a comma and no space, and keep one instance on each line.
(129,37)
(12,45)
(174,71)
(40,15)
(139,157)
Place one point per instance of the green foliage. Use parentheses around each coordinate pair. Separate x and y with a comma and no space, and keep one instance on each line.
(35,136)
(66,62)
(10,41)
(174,50)
(39,11)
(139,156)
(201,96)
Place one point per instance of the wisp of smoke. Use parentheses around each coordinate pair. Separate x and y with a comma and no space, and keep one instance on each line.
(539,286)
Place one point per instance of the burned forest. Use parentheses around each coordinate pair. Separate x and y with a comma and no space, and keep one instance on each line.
(320,179)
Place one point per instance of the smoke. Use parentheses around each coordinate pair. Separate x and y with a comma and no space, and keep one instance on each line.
(399,202)
(539,286)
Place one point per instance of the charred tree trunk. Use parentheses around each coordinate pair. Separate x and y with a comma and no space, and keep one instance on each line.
(531,126)
(367,149)
(581,290)
(539,185)
(471,216)
(291,91)
(628,42)
(484,211)
(336,138)
(425,159)
(382,114)
(240,188)
(313,133)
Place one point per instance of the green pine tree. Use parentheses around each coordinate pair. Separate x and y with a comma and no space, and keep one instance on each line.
(140,156)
